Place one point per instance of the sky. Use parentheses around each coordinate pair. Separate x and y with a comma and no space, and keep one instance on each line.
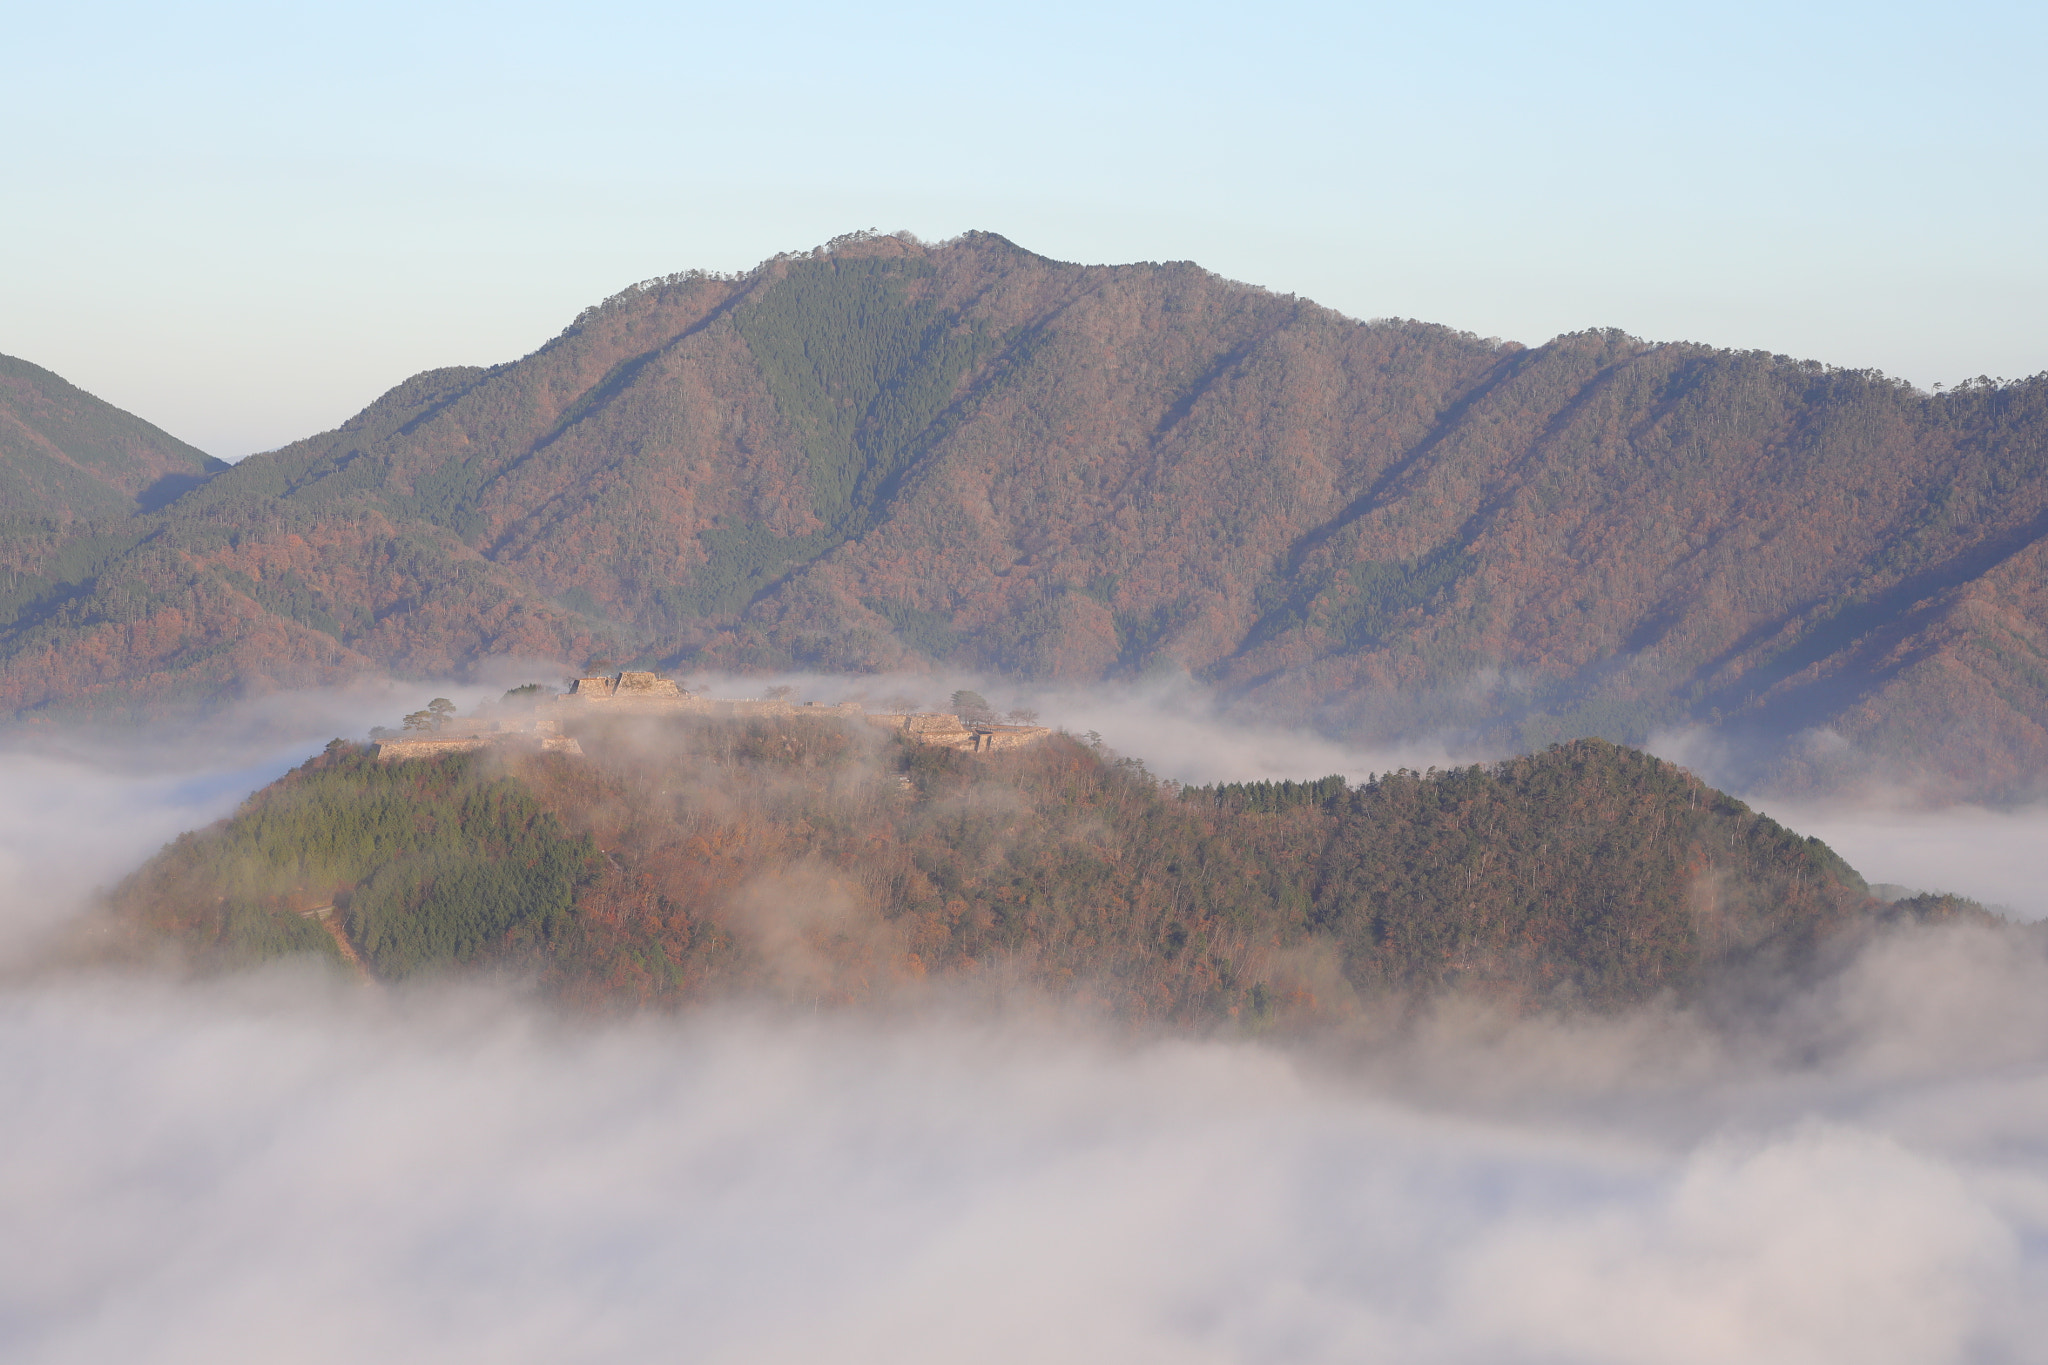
(244,221)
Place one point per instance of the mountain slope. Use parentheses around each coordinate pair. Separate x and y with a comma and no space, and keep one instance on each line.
(65,454)
(885,455)
(823,861)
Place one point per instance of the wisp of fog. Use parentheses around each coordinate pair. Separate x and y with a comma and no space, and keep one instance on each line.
(1999,857)
(289,1166)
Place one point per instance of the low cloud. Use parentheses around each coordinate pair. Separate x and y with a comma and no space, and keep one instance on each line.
(288,1166)
(282,1167)
(1893,825)
(1172,723)
(81,808)
(69,824)
(1989,854)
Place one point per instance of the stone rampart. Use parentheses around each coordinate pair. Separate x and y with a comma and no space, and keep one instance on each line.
(542,733)
(633,693)
(395,750)
(948,731)
(993,738)
(647,694)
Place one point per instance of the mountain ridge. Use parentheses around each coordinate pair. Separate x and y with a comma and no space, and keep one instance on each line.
(65,454)
(884,455)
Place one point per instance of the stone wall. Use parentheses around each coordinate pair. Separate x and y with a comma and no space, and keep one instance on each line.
(542,733)
(991,738)
(395,750)
(648,694)
(632,692)
(950,732)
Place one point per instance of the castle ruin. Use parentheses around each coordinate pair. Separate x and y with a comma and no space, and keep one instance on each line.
(648,694)
(540,734)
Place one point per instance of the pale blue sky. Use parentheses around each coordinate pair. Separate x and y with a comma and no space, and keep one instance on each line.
(244,221)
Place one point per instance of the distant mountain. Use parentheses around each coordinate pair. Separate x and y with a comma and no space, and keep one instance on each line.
(64,454)
(886,455)
(820,861)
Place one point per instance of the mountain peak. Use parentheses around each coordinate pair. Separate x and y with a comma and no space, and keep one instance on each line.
(882,454)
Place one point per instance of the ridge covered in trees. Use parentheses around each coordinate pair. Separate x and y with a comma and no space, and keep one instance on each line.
(889,455)
(686,860)
(67,456)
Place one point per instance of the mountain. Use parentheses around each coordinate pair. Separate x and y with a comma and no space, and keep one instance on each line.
(886,455)
(826,861)
(65,455)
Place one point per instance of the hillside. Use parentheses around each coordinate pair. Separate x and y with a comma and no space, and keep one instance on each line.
(886,455)
(66,455)
(685,860)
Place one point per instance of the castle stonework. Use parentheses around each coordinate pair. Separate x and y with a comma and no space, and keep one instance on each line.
(628,687)
(948,731)
(646,693)
(643,694)
(539,733)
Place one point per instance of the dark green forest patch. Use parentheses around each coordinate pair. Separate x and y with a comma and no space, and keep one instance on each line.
(862,363)
(428,864)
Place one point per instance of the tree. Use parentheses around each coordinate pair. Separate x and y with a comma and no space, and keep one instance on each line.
(972,706)
(433,718)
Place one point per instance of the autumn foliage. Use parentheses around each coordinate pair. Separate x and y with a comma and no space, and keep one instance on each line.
(826,863)
(886,455)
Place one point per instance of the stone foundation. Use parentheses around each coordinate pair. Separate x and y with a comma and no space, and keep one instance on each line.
(633,693)
(543,733)
(950,732)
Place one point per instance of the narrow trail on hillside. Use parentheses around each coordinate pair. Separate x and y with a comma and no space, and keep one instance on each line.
(348,950)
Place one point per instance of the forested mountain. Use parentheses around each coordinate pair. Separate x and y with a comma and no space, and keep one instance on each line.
(888,455)
(66,455)
(828,862)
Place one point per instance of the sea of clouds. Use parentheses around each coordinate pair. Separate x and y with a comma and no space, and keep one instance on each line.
(288,1166)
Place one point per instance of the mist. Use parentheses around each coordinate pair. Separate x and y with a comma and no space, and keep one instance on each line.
(82,807)
(1178,728)
(1991,855)
(282,1166)
(288,1165)
(1182,732)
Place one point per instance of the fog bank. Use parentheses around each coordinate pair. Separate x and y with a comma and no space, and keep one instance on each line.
(1996,856)
(1178,729)
(1172,723)
(288,1166)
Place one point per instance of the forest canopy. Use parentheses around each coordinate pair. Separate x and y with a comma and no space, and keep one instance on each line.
(684,859)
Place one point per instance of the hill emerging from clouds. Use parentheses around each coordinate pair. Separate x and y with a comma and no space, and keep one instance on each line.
(886,455)
(680,860)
